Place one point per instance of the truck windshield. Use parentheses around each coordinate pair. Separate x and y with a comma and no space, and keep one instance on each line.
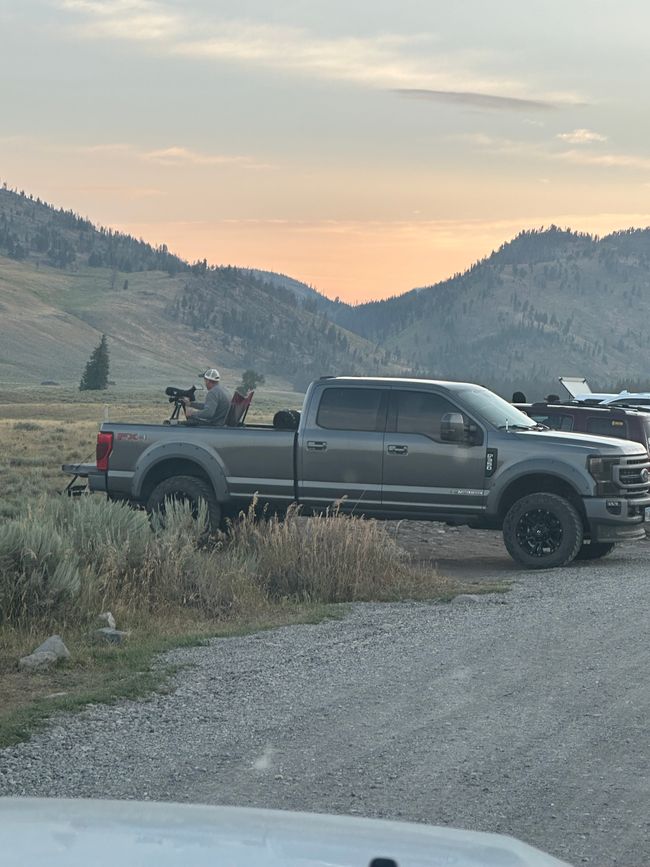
(494,409)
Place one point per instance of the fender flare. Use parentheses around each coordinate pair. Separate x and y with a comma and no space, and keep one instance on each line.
(207,459)
(559,470)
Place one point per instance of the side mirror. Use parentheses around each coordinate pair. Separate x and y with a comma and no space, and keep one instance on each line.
(452,428)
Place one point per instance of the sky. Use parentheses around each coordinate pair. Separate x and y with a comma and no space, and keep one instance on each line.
(365,147)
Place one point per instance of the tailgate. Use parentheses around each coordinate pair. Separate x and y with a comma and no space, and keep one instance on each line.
(96,479)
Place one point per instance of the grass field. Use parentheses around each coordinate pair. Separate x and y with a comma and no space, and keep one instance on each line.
(265,575)
(44,427)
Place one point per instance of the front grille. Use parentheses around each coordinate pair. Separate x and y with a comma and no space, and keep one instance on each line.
(633,474)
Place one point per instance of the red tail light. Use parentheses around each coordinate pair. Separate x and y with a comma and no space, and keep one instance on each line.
(104,448)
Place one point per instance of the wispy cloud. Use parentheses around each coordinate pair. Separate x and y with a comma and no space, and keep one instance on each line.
(581,136)
(174,155)
(478,100)
(179,156)
(546,151)
(389,61)
(140,20)
(612,160)
(124,192)
(106,148)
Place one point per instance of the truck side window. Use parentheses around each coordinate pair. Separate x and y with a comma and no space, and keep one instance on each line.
(420,412)
(351,409)
(607,427)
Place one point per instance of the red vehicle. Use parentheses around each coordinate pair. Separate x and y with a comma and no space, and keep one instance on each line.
(611,421)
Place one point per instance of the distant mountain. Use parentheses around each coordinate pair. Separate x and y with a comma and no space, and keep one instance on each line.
(64,282)
(549,302)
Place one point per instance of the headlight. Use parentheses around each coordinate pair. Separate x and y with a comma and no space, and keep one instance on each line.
(600,469)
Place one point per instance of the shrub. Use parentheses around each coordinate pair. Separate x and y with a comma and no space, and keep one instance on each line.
(27,425)
(39,571)
(329,558)
(74,558)
(185,566)
(110,537)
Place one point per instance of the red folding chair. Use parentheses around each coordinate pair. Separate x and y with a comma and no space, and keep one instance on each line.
(238,409)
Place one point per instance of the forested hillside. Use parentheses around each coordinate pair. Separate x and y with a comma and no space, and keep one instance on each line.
(33,231)
(549,302)
(63,283)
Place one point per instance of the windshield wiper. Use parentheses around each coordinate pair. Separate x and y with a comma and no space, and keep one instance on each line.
(520,427)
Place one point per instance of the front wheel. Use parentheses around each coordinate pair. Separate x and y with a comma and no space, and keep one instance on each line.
(542,531)
(595,550)
(187,489)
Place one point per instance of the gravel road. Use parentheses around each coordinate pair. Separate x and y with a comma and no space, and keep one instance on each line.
(525,713)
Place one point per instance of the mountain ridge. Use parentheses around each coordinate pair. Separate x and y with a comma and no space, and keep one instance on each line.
(63,283)
(550,301)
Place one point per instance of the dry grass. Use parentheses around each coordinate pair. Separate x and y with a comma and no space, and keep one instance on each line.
(331,557)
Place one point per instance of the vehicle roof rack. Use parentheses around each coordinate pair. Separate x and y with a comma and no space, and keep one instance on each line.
(638,407)
(543,404)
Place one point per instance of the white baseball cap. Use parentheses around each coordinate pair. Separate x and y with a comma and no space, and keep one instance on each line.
(212,374)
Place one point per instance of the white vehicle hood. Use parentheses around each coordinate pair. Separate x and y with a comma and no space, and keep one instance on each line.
(77,833)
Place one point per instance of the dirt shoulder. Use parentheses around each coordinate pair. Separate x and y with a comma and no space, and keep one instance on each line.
(458,552)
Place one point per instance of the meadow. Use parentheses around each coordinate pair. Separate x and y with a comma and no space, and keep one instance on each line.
(43,427)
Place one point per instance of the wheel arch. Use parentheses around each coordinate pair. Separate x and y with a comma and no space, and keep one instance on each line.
(167,469)
(539,483)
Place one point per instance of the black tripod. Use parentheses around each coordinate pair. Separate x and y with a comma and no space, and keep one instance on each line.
(178,406)
(177,396)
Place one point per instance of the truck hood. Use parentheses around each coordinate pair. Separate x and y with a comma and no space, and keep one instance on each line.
(604,445)
(65,833)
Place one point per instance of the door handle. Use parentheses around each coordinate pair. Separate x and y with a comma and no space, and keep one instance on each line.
(397,450)
(316,446)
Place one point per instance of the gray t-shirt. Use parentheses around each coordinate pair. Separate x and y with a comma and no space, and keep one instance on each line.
(216,406)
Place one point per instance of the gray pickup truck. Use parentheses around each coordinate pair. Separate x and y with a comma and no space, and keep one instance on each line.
(392,449)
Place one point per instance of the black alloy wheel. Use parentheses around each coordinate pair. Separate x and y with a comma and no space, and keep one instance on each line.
(542,531)
(539,532)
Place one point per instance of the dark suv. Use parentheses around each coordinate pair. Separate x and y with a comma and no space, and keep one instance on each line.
(610,421)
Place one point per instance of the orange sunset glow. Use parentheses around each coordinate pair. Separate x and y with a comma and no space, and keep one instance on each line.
(362,154)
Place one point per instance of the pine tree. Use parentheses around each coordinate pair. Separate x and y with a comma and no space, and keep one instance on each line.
(96,373)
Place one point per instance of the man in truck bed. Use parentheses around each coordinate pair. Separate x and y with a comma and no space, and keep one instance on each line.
(217,402)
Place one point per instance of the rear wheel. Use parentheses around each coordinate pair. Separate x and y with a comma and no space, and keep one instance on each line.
(187,489)
(542,531)
(595,550)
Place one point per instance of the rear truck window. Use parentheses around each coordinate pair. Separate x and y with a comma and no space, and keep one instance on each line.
(351,409)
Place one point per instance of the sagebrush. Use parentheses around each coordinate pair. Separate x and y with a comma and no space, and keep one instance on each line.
(68,559)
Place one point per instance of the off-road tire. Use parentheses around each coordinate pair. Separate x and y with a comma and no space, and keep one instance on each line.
(542,531)
(186,488)
(595,550)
